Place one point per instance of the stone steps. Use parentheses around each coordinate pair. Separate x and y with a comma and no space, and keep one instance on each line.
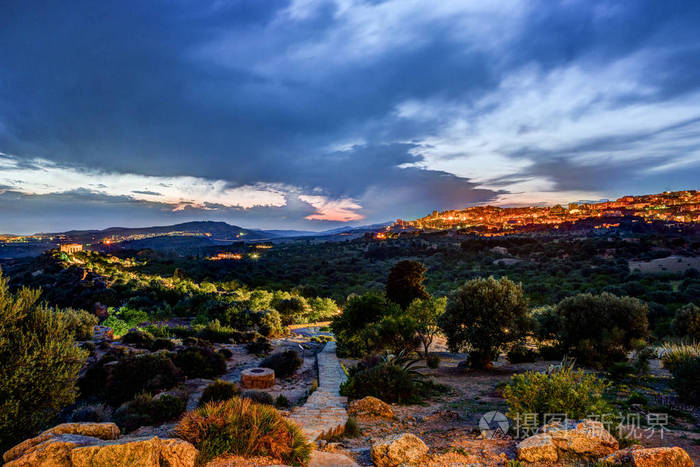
(324,415)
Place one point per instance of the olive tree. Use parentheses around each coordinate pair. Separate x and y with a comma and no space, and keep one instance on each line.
(426,314)
(484,315)
(39,364)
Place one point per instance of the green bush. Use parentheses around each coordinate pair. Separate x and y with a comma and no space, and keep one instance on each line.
(393,379)
(39,364)
(145,410)
(561,391)
(484,315)
(674,354)
(284,363)
(215,332)
(433,361)
(162,343)
(550,352)
(685,379)
(270,323)
(601,329)
(637,398)
(520,353)
(139,373)
(200,362)
(243,428)
(352,428)
(260,397)
(281,402)
(219,391)
(80,323)
(119,326)
(143,339)
(259,346)
(686,322)
(619,371)
(293,310)
(226,353)
(371,324)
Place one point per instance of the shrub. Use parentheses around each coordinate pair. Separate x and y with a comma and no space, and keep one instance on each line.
(145,410)
(39,364)
(260,397)
(484,315)
(394,379)
(600,329)
(138,373)
(226,353)
(215,332)
(200,362)
(284,363)
(139,338)
(433,360)
(182,332)
(366,326)
(219,391)
(426,314)
(159,331)
(119,326)
(405,283)
(561,391)
(322,309)
(270,323)
(686,380)
(259,346)
(162,343)
(293,310)
(91,413)
(80,323)
(239,426)
(673,354)
(550,352)
(281,402)
(686,322)
(520,353)
(352,428)
(637,398)
(620,370)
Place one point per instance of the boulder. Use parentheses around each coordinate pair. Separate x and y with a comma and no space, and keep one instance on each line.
(537,448)
(371,406)
(404,448)
(149,452)
(53,451)
(94,430)
(107,430)
(650,457)
(585,439)
(331,459)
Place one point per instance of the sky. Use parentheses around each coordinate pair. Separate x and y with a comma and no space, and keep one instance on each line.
(313,114)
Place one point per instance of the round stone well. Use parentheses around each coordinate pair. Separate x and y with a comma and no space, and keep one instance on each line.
(258,378)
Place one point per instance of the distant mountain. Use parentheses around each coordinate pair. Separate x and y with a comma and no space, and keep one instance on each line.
(220,231)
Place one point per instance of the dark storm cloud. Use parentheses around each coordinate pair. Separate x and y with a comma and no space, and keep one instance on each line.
(307,95)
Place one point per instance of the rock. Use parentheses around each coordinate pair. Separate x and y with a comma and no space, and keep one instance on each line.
(397,450)
(371,406)
(537,448)
(586,439)
(651,457)
(330,459)
(149,452)
(258,378)
(53,451)
(95,430)
(107,430)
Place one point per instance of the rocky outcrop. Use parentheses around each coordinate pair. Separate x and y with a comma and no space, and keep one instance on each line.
(538,448)
(650,457)
(151,452)
(330,459)
(396,450)
(97,444)
(371,406)
(573,440)
(82,431)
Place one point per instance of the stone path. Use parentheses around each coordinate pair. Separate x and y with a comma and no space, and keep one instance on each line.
(323,415)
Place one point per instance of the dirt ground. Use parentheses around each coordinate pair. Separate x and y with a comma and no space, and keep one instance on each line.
(449,424)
